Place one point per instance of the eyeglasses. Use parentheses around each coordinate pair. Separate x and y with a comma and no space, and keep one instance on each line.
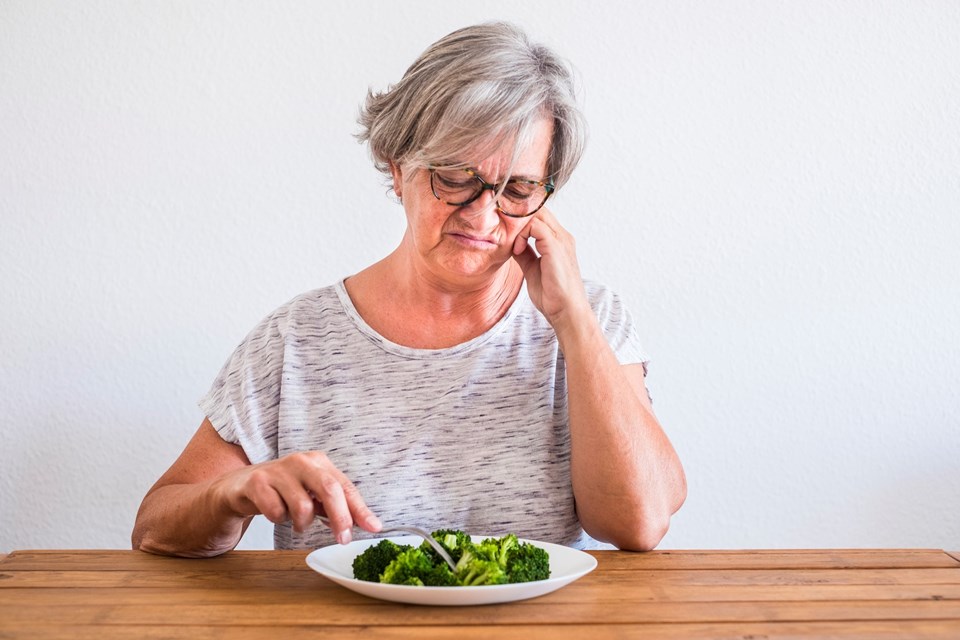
(518,198)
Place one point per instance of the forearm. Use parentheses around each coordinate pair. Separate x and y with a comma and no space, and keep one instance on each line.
(627,478)
(186,520)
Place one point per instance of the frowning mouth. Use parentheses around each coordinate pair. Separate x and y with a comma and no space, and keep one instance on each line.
(477,242)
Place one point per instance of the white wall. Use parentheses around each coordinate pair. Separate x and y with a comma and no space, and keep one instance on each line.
(774,188)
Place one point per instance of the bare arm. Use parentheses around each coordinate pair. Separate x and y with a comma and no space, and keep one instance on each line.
(627,478)
(202,505)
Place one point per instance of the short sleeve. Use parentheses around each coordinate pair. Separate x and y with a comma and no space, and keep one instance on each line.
(617,324)
(243,404)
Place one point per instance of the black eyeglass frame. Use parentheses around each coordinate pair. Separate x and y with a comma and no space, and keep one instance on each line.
(484,185)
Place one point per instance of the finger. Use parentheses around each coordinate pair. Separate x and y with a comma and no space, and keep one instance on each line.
(265,498)
(527,258)
(530,265)
(298,502)
(547,216)
(522,241)
(544,232)
(329,492)
(548,221)
(362,514)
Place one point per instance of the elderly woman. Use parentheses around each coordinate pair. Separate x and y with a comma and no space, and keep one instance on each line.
(471,379)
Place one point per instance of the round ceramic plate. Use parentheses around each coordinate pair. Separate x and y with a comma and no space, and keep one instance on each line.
(336,563)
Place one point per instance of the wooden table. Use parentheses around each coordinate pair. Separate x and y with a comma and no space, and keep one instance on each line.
(665,594)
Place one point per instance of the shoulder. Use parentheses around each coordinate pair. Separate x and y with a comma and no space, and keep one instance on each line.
(605,302)
(308,305)
(311,302)
(305,311)
(617,323)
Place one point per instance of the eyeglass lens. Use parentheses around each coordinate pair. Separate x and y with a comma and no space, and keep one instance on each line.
(460,187)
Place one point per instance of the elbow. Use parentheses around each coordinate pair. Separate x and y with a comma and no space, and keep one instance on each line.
(140,541)
(138,537)
(641,530)
(641,536)
(644,527)
(148,545)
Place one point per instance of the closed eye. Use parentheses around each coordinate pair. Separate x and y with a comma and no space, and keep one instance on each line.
(447,182)
(520,190)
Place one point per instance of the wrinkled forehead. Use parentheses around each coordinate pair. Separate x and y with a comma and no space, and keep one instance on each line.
(525,154)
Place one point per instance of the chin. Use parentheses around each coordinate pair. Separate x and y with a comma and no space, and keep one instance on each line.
(472,269)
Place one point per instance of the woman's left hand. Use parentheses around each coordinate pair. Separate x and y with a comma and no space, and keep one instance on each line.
(551,270)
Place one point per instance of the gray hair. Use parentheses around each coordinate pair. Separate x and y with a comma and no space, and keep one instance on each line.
(474,91)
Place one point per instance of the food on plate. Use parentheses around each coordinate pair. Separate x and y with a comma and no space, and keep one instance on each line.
(490,561)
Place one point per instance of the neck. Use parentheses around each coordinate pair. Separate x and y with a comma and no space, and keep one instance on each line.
(482,298)
(417,309)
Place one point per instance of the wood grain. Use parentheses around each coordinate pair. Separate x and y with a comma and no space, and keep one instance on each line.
(599,581)
(847,593)
(882,630)
(112,560)
(378,614)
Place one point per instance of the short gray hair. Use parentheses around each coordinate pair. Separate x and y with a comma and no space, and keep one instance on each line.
(475,90)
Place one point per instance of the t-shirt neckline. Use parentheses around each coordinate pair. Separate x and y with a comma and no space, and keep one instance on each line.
(410,352)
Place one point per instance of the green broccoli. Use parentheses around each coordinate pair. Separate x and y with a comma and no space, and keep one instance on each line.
(370,564)
(488,549)
(491,561)
(453,541)
(409,567)
(474,569)
(496,549)
(526,563)
(506,545)
(440,576)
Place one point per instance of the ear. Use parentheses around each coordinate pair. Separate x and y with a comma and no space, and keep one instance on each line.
(397,179)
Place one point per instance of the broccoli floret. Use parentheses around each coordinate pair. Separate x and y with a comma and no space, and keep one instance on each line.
(453,540)
(474,569)
(492,561)
(482,572)
(506,545)
(466,558)
(370,564)
(410,567)
(440,576)
(497,549)
(488,550)
(526,563)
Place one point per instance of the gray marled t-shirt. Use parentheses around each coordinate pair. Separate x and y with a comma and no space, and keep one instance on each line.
(473,437)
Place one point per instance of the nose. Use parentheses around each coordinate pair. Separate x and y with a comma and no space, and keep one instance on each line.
(485,206)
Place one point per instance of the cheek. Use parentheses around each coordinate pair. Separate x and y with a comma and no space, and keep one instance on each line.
(423,216)
(514,227)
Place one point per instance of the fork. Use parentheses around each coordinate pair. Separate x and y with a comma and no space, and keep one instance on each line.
(417,531)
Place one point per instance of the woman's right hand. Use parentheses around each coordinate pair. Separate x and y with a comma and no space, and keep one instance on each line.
(203,503)
(297,488)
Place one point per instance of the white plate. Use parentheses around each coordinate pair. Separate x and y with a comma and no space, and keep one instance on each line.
(336,562)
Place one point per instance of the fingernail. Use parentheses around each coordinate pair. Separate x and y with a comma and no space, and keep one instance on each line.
(344,537)
(374,522)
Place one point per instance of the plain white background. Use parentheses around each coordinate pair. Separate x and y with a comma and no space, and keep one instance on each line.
(774,187)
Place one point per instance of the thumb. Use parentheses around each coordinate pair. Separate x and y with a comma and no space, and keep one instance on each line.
(526,259)
(530,265)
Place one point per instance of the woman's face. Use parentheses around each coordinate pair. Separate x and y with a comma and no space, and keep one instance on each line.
(459,244)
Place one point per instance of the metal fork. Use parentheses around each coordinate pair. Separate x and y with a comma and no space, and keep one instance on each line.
(417,531)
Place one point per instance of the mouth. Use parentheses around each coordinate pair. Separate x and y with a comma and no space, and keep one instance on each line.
(469,240)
